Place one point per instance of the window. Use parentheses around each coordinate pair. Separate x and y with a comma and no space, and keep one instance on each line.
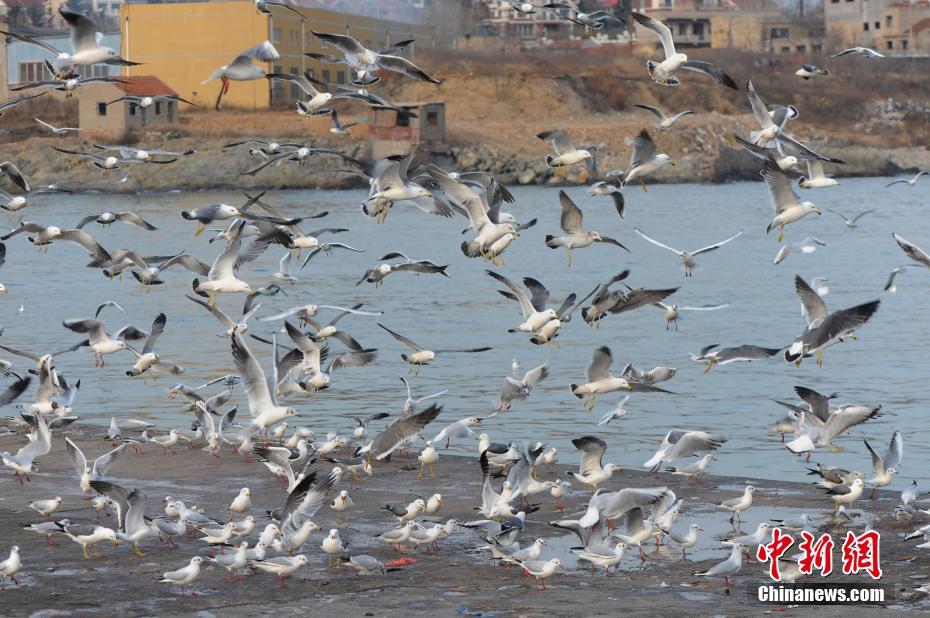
(340,77)
(157,108)
(904,44)
(888,21)
(325,75)
(889,45)
(101,109)
(779,33)
(275,35)
(785,49)
(682,29)
(294,91)
(878,25)
(311,73)
(816,47)
(33,72)
(132,109)
(800,48)
(698,29)
(865,26)
(432,119)
(403,120)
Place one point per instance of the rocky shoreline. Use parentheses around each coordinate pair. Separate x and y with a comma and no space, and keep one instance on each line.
(213,168)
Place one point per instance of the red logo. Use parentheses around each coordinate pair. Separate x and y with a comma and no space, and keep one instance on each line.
(817,554)
(774,550)
(860,553)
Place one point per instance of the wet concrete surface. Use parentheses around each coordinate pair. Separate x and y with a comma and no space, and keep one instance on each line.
(458,580)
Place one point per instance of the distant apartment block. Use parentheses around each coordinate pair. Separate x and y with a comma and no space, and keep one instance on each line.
(895,26)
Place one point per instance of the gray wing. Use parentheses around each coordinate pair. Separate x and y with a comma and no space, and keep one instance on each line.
(399,64)
(820,404)
(401,338)
(571,220)
(814,307)
(253,378)
(665,35)
(540,295)
(912,251)
(158,327)
(134,219)
(745,353)
(536,375)
(560,140)
(85,240)
(83,30)
(780,189)
(599,367)
(759,110)
(343,43)
(644,149)
(402,429)
(839,323)
(711,70)
(592,449)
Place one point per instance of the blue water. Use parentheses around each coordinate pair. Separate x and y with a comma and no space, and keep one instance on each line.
(886,365)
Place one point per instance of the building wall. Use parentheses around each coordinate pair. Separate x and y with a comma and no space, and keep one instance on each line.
(119,116)
(182,44)
(88,118)
(881,24)
(4,65)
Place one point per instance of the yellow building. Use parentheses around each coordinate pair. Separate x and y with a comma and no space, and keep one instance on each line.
(184,42)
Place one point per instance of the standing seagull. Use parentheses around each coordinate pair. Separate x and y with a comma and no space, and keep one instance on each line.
(575,236)
(567,154)
(907,181)
(422,356)
(884,466)
(665,122)
(242,68)
(728,567)
(687,257)
(787,204)
(664,72)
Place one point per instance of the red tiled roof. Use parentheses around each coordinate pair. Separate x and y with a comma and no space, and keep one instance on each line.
(144,86)
(922,25)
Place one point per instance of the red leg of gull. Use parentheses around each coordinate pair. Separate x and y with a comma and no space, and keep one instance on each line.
(281,581)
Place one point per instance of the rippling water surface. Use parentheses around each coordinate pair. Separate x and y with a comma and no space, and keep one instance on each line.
(887,365)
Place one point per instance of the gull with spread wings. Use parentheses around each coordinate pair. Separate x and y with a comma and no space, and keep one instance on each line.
(824,329)
(576,237)
(664,72)
(421,356)
(687,257)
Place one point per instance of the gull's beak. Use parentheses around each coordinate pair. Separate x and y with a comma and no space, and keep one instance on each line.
(115,542)
(672,163)
(818,211)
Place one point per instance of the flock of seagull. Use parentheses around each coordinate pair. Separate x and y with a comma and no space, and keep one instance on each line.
(318,468)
